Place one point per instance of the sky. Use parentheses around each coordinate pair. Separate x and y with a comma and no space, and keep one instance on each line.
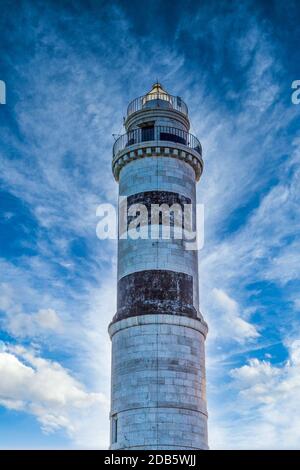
(70,69)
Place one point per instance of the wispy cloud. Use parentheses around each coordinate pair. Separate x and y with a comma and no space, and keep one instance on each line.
(69,78)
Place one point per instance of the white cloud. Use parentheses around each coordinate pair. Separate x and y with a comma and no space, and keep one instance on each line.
(265,409)
(20,324)
(48,319)
(83,336)
(48,391)
(230,323)
(262,249)
(42,322)
(285,266)
(6,297)
(260,407)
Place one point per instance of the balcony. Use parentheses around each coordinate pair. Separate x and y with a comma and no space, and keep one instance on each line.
(157,100)
(157,133)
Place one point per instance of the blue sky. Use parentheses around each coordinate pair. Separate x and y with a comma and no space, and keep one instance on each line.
(70,70)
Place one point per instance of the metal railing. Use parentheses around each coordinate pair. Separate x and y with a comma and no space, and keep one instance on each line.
(155,133)
(157,100)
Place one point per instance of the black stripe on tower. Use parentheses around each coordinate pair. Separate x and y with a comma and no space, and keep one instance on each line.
(155,291)
(147,198)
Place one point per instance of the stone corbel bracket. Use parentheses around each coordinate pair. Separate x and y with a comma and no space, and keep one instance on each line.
(160,149)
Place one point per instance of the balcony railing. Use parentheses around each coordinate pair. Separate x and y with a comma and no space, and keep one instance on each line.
(157,100)
(155,133)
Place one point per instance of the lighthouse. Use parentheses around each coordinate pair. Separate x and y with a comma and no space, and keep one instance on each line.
(158,333)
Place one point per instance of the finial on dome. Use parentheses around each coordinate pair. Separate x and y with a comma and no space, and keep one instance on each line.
(157,88)
(157,92)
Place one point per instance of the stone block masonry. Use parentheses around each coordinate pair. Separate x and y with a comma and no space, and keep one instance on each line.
(158,383)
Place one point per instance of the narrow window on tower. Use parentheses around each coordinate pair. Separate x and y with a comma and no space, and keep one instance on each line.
(114,429)
(147,131)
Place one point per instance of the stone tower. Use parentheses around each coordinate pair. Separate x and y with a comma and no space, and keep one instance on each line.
(158,333)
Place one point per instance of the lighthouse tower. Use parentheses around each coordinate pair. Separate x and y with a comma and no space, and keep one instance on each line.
(158,333)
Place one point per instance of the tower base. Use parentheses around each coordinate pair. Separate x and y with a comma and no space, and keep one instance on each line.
(158,383)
